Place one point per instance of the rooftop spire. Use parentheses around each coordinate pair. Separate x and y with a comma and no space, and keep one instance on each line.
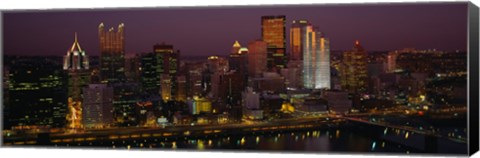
(76,41)
(236,44)
(76,45)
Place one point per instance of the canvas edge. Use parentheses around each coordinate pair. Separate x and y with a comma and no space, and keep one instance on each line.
(473,80)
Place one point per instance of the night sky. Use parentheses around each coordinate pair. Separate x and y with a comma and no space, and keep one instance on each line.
(212,31)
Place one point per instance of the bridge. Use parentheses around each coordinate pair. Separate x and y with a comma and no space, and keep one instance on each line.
(424,140)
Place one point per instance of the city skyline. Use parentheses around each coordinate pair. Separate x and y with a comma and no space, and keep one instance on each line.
(263,95)
(419,26)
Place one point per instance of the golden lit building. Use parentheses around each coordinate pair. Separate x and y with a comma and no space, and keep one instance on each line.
(297,35)
(354,77)
(273,32)
(112,52)
(199,105)
(166,87)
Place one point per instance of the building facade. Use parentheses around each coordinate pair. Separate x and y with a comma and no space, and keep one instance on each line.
(257,58)
(316,59)
(354,73)
(97,106)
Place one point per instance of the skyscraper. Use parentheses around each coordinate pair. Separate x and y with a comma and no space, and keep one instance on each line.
(166,63)
(75,62)
(354,70)
(112,52)
(297,34)
(316,59)
(148,73)
(273,32)
(257,58)
(237,60)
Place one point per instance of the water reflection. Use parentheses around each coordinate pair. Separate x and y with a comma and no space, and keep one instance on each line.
(325,140)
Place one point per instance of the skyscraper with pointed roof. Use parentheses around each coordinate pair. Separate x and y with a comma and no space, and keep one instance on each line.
(77,66)
(75,62)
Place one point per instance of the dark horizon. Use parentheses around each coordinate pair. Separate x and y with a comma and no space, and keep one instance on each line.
(203,31)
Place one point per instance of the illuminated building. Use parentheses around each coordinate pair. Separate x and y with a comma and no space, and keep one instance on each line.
(166,87)
(273,33)
(97,106)
(316,59)
(75,62)
(167,63)
(199,105)
(37,93)
(148,73)
(167,59)
(194,77)
(257,58)
(237,59)
(235,48)
(297,35)
(112,52)
(354,70)
(125,98)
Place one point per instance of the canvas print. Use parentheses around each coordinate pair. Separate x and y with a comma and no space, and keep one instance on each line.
(350,78)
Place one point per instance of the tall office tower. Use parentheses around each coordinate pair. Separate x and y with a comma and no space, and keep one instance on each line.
(75,62)
(237,60)
(273,32)
(297,35)
(97,106)
(132,65)
(112,52)
(257,58)
(148,74)
(354,70)
(316,59)
(37,93)
(168,63)
(167,59)
(392,61)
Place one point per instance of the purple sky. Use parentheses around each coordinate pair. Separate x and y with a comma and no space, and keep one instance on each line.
(208,31)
